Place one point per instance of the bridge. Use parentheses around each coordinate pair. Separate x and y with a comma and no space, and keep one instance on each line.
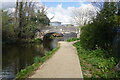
(58,29)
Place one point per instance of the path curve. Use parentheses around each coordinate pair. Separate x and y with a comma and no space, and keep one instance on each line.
(63,64)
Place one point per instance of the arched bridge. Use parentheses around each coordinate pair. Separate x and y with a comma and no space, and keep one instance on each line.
(63,30)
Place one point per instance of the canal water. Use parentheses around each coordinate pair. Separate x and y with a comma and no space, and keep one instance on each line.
(18,56)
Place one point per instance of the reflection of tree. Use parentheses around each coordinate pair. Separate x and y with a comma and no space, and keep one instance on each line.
(46,41)
(47,46)
(18,57)
(40,49)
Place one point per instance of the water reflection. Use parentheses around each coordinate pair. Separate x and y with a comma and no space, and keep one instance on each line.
(69,35)
(50,45)
(16,57)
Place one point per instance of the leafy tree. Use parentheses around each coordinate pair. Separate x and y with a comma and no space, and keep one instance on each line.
(29,23)
(100,33)
(41,18)
(21,20)
(7,26)
(24,22)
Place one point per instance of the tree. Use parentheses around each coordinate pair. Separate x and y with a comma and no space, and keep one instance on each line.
(30,20)
(42,18)
(25,21)
(7,26)
(21,20)
(102,33)
(84,14)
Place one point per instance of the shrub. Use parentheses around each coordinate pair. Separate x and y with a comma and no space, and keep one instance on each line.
(37,40)
(97,35)
(87,37)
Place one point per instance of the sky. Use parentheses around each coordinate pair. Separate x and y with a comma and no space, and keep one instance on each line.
(64,4)
(62,11)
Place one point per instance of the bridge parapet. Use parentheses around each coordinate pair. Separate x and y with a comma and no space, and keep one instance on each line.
(63,30)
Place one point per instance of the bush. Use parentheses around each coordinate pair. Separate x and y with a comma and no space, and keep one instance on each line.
(37,40)
(87,37)
(97,35)
(73,39)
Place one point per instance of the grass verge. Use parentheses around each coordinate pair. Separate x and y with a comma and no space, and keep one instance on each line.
(24,73)
(96,64)
(72,39)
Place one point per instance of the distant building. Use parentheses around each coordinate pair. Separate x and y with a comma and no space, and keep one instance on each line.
(69,25)
(55,23)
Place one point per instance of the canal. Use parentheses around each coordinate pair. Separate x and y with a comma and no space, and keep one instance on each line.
(18,56)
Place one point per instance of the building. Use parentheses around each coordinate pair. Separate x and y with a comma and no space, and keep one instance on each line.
(68,25)
(55,23)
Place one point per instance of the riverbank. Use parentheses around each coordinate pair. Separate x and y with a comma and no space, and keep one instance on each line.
(63,64)
(38,61)
(96,63)
(22,41)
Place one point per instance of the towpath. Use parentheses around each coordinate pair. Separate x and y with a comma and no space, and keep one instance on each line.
(63,64)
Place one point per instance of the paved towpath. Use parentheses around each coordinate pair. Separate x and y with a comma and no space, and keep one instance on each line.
(63,64)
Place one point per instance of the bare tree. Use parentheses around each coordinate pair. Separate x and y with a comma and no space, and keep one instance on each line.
(84,15)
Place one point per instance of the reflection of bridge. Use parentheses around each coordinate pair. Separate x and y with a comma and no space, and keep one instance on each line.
(61,29)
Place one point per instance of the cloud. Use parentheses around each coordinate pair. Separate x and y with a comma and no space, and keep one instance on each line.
(60,14)
(65,15)
(6,5)
(12,3)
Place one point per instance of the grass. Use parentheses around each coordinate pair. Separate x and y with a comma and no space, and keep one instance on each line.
(24,73)
(96,63)
(72,39)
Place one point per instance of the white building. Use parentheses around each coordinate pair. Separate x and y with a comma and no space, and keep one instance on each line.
(55,23)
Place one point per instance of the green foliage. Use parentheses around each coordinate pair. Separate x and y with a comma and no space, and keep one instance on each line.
(42,17)
(100,33)
(87,36)
(27,71)
(24,23)
(29,30)
(24,73)
(96,63)
(80,49)
(72,39)
(7,26)
(37,40)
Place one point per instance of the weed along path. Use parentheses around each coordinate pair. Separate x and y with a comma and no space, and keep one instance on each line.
(63,64)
